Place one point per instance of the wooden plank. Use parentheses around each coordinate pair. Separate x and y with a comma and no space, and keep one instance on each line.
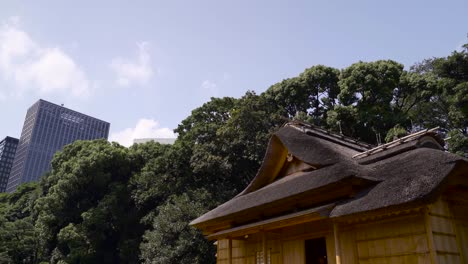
(280,260)
(406,235)
(463,232)
(264,248)
(440,208)
(294,252)
(458,235)
(222,244)
(307,230)
(330,246)
(384,256)
(449,259)
(444,232)
(347,245)
(385,225)
(223,254)
(430,238)
(458,208)
(445,243)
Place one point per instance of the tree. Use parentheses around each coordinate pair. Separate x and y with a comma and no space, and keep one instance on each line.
(245,137)
(171,240)
(166,172)
(289,95)
(18,239)
(201,126)
(86,213)
(313,92)
(458,143)
(322,88)
(367,87)
(446,102)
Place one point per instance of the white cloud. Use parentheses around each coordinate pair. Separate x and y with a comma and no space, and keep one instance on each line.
(34,67)
(145,128)
(54,71)
(211,87)
(139,71)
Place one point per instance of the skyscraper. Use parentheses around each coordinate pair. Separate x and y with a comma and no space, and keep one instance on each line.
(47,128)
(7,155)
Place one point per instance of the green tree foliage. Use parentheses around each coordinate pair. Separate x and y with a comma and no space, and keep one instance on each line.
(171,240)
(244,138)
(313,92)
(395,133)
(163,174)
(86,214)
(226,135)
(18,237)
(322,88)
(458,143)
(199,132)
(368,88)
(446,102)
(201,126)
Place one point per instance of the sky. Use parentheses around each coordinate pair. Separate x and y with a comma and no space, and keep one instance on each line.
(144,66)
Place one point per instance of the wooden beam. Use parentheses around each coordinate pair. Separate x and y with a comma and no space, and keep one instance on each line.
(305,216)
(395,142)
(229,251)
(337,243)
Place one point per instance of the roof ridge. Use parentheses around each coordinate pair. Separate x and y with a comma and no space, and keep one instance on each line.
(306,127)
(396,142)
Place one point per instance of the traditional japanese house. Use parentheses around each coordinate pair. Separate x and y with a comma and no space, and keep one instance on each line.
(320,197)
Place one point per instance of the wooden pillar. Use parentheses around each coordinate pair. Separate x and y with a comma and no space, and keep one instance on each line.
(337,243)
(430,236)
(264,248)
(230,251)
(281,259)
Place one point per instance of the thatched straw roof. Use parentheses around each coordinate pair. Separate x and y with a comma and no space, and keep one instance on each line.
(406,172)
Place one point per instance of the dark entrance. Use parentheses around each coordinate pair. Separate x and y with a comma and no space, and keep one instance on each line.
(316,251)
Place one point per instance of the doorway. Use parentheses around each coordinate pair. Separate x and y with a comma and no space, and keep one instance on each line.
(316,251)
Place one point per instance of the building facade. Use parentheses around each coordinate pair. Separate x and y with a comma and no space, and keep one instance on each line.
(48,128)
(164,141)
(7,155)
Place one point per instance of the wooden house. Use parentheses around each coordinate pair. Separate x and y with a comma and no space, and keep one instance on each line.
(320,197)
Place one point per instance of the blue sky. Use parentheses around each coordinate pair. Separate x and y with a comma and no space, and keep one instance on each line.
(144,65)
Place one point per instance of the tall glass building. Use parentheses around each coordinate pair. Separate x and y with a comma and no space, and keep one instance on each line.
(7,155)
(47,128)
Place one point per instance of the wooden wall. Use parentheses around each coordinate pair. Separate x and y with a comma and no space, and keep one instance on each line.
(447,234)
(246,251)
(460,219)
(438,235)
(279,251)
(400,240)
(237,251)
(395,241)
(293,251)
